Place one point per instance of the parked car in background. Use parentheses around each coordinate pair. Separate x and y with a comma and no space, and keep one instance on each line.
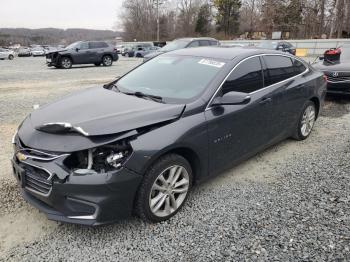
(183,43)
(38,51)
(24,51)
(277,45)
(83,52)
(6,54)
(335,64)
(119,48)
(130,52)
(142,51)
(139,143)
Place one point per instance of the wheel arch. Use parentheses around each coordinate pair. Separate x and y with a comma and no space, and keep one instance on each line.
(186,152)
(316,101)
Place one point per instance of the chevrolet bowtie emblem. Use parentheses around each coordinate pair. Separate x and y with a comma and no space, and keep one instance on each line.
(21,157)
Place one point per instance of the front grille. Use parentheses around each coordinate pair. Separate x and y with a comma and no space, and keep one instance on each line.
(37,179)
(338,77)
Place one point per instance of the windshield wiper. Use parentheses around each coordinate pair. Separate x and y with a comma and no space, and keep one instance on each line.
(141,94)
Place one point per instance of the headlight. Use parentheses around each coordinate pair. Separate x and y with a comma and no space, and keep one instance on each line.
(13,141)
(100,159)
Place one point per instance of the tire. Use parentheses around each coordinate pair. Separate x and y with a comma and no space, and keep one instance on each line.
(11,57)
(306,121)
(138,55)
(97,64)
(154,196)
(66,63)
(107,60)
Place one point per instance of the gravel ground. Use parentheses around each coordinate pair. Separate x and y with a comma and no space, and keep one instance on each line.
(290,202)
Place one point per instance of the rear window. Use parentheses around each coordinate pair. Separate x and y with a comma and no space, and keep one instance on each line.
(278,68)
(298,67)
(204,43)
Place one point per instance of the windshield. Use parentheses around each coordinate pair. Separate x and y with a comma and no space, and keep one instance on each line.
(73,45)
(268,45)
(176,79)
(174,45)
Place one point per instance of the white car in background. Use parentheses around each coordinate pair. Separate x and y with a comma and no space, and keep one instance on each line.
(38,51)
(6,54)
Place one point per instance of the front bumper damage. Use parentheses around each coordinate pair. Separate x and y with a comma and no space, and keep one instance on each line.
(89,199)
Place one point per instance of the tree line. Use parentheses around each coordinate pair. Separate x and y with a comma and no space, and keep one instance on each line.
(230,19)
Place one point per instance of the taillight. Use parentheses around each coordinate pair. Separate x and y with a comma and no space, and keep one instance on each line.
(325,78)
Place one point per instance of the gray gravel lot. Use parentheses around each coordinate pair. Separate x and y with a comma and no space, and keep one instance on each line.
(290,202)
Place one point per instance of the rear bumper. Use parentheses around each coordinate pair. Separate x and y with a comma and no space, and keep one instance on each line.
(91,199)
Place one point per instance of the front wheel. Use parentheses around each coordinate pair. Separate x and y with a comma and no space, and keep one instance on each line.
(107,60)
(164,188)
(66,62)
(11,57)
(306,121)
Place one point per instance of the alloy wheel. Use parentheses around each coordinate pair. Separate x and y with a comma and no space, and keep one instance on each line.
(308,120)
(66,63)
(169,191)
(107,60)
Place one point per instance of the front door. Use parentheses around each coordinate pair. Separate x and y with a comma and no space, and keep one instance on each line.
(236,131)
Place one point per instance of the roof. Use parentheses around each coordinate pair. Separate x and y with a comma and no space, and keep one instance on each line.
(196,38)
(222,52)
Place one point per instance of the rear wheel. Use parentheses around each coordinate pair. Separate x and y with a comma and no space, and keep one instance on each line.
(66,62)
(11,57)
(306,121)
(164,188)
(107,60)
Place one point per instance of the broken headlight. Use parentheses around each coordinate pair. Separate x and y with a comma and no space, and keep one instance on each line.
(100,159)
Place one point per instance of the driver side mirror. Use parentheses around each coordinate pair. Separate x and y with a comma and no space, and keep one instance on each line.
(77,49)
(232,98)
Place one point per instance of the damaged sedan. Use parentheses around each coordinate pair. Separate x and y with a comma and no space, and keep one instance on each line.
(137,145)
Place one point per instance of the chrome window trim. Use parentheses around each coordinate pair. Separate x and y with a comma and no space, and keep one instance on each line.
(264,88)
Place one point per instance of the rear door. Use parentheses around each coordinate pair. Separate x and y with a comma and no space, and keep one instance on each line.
(236,131)
(287,93)
(97,50)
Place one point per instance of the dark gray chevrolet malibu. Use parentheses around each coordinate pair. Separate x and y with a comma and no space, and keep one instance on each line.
(137,145)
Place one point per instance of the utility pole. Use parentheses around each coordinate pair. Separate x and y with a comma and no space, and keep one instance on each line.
(157,20)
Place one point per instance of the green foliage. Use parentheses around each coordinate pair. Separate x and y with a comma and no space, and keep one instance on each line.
(227,18)
(203,24)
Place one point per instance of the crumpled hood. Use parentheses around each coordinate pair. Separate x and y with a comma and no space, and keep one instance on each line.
(99,111)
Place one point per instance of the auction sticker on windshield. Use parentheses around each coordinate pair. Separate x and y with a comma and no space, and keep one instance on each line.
(211,63)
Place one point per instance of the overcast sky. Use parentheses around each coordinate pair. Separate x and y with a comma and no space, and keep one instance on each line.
(93,14)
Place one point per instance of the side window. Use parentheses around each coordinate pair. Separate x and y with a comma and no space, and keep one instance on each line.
(212,42)
(204,43)
(279,68)
(298,67)
(193,44)
(93,45)
(84,45)
(246,78)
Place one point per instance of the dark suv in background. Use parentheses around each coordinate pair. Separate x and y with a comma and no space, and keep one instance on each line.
(183,43)
(278,45)
(83,52)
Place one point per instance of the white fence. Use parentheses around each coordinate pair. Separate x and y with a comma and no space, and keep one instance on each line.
(314,47)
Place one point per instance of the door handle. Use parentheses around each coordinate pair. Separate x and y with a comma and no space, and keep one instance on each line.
(266,100)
